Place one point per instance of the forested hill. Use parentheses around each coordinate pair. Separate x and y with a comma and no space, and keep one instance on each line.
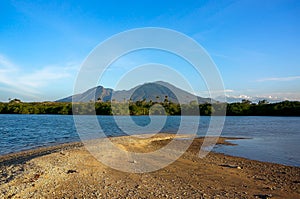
(142,107)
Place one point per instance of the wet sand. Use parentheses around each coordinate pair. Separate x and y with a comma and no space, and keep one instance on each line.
(70,171)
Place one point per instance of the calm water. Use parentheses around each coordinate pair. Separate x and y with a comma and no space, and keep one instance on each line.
(272,139)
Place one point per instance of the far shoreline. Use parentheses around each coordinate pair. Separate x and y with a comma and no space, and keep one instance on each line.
(142,107)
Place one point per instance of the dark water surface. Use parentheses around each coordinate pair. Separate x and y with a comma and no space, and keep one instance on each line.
(273,139)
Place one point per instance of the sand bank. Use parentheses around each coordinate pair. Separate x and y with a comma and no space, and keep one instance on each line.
(70,171)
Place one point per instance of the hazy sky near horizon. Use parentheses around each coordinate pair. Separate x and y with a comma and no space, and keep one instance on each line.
(255,44)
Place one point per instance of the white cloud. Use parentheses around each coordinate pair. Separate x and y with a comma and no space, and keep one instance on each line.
(27,83)
(44,76)
(271,97)
(5,64)
(290,78)
(214,92)
(220,55)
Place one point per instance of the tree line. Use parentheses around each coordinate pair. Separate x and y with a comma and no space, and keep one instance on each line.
(143,107)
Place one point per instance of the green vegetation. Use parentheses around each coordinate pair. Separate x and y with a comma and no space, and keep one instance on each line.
(244,108)
(285,108)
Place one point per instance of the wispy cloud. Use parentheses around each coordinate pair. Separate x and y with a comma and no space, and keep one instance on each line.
(213,92)
(220,55)
(5,64)
(290,78)
(44,76)
(17,80)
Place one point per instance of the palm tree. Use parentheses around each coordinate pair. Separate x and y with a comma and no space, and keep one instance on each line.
(157,98)
(166,99)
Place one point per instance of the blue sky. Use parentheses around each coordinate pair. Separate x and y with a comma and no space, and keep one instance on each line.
(255,44)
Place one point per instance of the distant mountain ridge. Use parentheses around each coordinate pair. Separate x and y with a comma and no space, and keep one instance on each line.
(92,94)
(154,91)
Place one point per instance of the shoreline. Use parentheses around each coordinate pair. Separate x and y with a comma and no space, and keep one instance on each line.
(25,155)
(69,170)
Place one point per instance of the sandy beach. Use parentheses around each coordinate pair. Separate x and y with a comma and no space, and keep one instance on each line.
(70,171)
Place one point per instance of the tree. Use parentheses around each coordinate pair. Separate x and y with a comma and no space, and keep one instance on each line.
(245,101)
(157,98)
(260,102)
(166,99)
(15,100)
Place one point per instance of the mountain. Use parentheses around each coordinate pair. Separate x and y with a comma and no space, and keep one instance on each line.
(99,91)
(155,91)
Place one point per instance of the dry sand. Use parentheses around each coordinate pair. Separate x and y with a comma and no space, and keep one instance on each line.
(70,171)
